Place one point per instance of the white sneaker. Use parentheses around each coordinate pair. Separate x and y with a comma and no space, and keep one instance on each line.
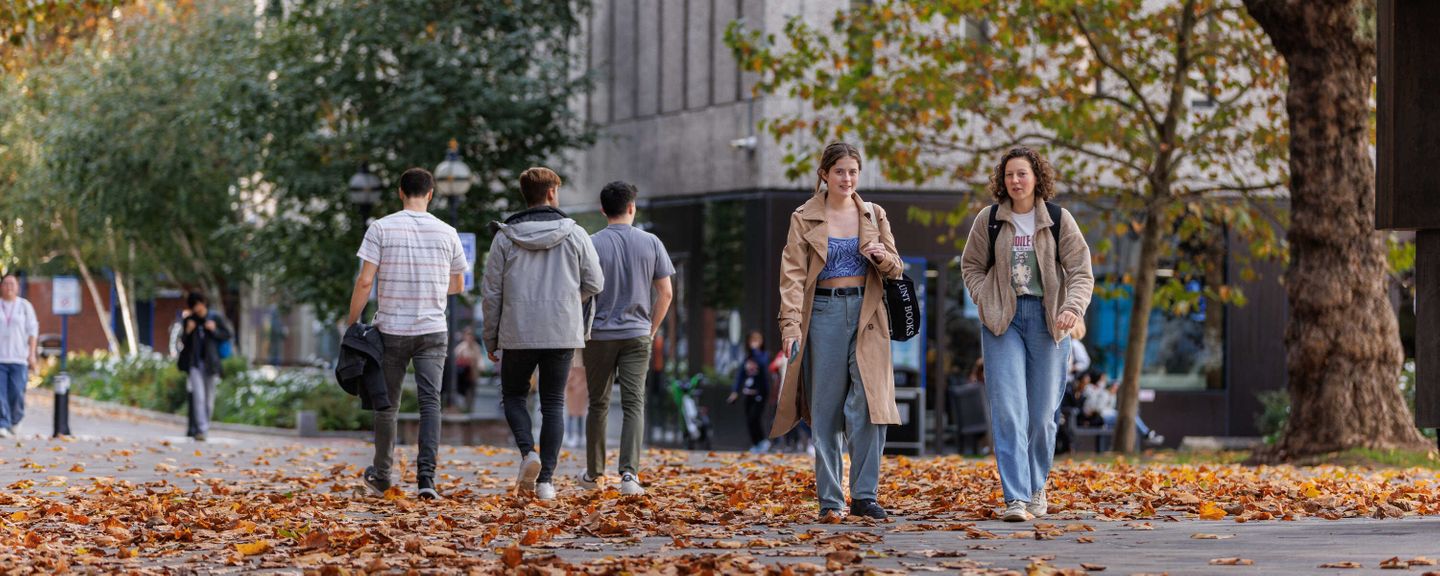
(630,485)
(1015,512)
(529,471)
(588,483)
(1152,439)
(6,433)
(545,491)
(1038,505)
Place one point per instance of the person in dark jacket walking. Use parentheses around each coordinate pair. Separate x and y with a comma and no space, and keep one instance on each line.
(200,359)
(418,262)
(753,384)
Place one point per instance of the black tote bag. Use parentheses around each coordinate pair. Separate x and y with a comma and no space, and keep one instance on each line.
(904,306)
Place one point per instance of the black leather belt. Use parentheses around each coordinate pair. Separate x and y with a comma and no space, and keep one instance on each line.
(850,291)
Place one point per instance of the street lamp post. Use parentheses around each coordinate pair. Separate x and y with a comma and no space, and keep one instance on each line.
(365,191)
(452,181)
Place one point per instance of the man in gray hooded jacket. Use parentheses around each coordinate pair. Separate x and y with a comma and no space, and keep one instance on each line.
(540,271)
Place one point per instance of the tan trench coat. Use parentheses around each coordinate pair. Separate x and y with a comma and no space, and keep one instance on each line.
(806,249)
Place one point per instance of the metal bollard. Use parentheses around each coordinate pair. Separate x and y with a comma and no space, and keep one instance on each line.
(62,404)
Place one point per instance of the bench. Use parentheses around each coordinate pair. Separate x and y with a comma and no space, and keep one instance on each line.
(1103,435)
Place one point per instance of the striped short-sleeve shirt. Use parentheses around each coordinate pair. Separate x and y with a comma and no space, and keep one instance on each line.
(416,254)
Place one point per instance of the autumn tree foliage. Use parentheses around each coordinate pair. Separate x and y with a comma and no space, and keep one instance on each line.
(1167,117)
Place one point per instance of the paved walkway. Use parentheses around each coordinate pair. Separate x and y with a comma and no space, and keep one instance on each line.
(112,448)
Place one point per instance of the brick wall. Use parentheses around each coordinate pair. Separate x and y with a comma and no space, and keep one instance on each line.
(86,334)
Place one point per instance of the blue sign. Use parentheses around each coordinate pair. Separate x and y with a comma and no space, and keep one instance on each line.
(467,241)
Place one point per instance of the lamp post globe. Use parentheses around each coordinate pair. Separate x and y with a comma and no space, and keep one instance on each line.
(452,179)
(365,190)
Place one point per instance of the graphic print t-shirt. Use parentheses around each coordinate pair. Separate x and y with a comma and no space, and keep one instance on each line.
(1024,269)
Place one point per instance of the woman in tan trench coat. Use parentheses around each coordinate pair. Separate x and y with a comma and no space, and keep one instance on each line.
(834,327)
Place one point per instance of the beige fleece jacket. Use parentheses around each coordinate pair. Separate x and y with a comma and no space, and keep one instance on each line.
(1067,289)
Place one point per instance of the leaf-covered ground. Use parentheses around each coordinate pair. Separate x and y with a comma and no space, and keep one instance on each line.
(101,505)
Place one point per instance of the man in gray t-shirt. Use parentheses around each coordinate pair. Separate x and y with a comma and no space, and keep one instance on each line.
(635,265)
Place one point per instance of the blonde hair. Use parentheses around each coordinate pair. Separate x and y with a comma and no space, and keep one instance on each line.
(833,153)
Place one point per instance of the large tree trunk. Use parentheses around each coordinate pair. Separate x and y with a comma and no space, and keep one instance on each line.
(1343,342)
(1128,401)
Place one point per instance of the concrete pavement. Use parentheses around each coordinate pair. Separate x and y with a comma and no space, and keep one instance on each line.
(112,445)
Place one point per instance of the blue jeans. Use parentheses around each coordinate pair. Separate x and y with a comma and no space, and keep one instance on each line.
(1023,382)
(12,394)
(838,405)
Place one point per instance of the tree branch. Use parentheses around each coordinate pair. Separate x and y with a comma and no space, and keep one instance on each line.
(1244,189)
(1104,61)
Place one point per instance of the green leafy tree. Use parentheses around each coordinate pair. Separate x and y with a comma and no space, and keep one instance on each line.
(1343,349)
(138,149)
(1165,116)
(390,83)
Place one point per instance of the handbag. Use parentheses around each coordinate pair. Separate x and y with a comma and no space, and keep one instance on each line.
(904,306)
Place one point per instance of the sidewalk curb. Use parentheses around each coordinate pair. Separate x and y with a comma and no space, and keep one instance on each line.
(226,426)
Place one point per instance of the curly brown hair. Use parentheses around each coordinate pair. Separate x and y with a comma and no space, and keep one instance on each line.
(1044,174)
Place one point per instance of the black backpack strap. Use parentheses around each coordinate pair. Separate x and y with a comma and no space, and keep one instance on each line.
(994,228)
(1055,216)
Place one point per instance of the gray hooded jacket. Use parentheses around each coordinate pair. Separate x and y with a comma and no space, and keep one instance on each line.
(540,271)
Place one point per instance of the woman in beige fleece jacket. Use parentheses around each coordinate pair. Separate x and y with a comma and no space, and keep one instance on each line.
(1031,291)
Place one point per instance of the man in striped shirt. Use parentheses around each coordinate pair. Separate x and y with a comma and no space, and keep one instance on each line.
(418,262)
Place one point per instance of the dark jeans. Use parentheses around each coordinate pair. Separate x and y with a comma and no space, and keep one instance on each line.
(754,413)
(516,366)
(428,353)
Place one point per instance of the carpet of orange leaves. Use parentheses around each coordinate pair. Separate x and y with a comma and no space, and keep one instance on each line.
(305,509)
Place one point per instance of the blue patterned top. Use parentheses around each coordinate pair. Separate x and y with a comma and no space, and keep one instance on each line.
(843,259)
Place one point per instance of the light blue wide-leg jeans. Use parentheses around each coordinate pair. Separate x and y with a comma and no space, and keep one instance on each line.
(1023,383)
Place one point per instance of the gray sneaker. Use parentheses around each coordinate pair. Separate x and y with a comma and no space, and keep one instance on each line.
(1039,505)
(1015,512)
(529,472)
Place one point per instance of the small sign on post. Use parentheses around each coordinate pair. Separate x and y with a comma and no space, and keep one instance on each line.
(64,302)
(65,295)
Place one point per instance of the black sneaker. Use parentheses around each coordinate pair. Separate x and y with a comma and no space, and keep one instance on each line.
(374,481)
(427,489)
(867,508)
